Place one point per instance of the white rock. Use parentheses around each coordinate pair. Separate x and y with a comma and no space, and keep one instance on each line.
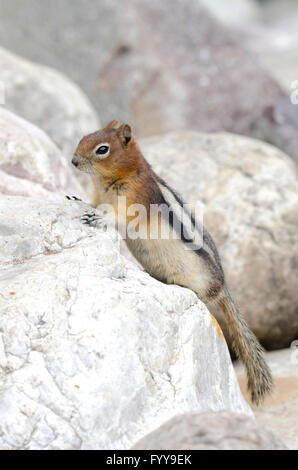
(30,163)
(94,353)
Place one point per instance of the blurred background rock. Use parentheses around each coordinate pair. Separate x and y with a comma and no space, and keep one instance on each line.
(172,64)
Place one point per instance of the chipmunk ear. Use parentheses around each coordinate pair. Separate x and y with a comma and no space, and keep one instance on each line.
(112,125)
(125,134)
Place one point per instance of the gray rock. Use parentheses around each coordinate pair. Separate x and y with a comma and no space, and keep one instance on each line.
(140,66)
(196,77)
(210,431)
(94,353)
(138,62)
(48,99)
(250,191)
(271,34)
(77,38)
(279,125)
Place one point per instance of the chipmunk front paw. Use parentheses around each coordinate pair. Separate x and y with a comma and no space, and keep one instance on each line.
(72,198)
(92,219)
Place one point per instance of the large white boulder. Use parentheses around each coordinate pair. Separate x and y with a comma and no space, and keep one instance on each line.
(94,353)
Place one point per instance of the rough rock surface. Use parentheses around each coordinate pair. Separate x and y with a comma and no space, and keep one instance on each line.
(210,431)
(141,65)
(280,411)
(250,191)
(94,353)
(30,163)
(48,99)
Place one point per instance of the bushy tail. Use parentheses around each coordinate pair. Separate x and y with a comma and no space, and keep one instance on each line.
(248,349)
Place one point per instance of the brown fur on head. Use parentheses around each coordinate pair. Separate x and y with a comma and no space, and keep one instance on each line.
(110,153)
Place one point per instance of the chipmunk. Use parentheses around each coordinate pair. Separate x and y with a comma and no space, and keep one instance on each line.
(118,168)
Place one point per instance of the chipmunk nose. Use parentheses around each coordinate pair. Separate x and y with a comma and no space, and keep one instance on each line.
(74,161)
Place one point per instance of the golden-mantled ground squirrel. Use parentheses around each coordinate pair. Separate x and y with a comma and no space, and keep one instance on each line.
(118,168)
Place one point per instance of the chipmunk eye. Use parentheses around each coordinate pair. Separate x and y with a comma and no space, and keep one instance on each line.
(102,150)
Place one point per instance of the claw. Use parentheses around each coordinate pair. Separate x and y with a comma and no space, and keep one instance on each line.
(72,198)
(90,219)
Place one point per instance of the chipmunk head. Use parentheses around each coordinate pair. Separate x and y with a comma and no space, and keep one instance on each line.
(110,152)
